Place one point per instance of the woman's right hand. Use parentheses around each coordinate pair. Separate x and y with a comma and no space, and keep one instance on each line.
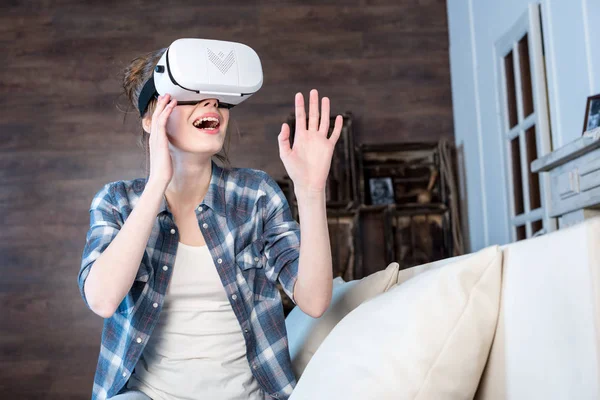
(161,167)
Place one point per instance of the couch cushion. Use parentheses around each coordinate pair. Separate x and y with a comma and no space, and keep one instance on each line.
(306,333)
(426,338)
(547,344)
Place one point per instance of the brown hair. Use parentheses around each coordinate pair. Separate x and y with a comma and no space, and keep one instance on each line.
(135,75)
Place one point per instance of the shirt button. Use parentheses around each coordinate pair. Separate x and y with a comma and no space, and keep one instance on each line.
(124,373)
(234,296)
(254,366)
(275,395)
(246,331)
(155,305)
(165,268)
(199,208)
(256,258)
(219,261)
(205,225)
(139,340)
(172,231)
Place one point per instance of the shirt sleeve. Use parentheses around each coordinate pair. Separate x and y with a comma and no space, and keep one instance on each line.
(281,238)
(105,223)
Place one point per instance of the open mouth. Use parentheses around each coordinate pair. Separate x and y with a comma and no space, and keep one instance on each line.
(207,123)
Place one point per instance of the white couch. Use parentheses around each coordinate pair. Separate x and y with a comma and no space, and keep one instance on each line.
(545,341)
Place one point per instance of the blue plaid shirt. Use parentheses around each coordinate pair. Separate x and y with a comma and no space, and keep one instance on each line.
(248,227)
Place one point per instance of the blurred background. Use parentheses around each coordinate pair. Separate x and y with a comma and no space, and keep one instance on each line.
(65,132)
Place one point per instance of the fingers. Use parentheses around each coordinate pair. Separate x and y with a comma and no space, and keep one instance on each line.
(313,111)
(160,106)
(284,140)
(314,124)
(163,109)
(300,113)
(337,129)
(324,127)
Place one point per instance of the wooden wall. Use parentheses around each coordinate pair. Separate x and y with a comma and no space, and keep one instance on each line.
(63,135)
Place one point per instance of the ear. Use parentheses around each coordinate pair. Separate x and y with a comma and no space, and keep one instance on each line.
(147,123)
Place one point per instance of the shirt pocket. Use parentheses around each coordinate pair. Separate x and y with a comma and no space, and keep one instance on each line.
(251,256)
(252,262)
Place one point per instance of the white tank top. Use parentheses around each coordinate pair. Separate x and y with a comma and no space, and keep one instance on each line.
(197,349)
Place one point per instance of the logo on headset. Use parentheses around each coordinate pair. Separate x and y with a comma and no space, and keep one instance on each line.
(221,61)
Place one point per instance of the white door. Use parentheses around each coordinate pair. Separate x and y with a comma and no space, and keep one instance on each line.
(524,123)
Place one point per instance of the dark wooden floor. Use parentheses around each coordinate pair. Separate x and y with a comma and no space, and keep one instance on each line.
(62,135)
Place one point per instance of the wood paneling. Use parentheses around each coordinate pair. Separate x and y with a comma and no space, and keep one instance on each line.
(64,132)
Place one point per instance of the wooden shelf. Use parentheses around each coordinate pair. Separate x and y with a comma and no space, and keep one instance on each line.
(566,153)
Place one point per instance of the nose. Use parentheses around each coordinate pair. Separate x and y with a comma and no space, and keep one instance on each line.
(209,102)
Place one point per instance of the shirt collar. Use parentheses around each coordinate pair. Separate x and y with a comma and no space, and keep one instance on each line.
(214,198)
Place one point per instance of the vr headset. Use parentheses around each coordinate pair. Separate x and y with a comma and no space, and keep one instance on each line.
(191,70)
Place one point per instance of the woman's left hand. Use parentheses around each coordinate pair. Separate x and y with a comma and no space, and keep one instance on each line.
(309,160)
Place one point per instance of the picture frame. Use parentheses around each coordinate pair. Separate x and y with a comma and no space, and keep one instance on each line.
(414,168)
(592,113)
(381,190)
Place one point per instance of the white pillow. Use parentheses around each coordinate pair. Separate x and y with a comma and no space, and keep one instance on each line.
(408,273)
(305,333)
(427,338)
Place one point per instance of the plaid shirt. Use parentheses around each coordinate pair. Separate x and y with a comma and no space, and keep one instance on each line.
(248,227)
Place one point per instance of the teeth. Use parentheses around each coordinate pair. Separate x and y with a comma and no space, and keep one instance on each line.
(199,121)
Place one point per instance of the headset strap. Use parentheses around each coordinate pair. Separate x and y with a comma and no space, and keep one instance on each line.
(147,93)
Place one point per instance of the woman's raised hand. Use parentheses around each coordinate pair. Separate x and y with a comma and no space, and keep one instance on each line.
(309,160)
(161,167)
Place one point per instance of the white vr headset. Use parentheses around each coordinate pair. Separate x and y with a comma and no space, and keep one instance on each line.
(191,70)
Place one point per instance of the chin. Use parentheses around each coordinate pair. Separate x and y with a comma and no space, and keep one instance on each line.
(204,150)
(197,148)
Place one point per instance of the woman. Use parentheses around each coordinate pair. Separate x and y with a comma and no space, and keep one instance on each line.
(203,246)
